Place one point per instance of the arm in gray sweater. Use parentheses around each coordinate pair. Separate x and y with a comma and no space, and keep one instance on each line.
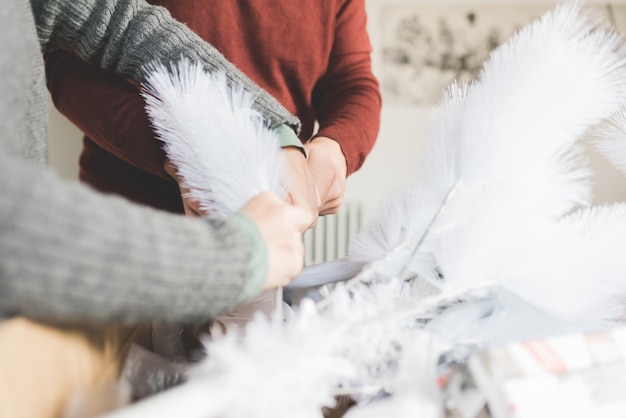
(123,36)
(71,254)
(68,253)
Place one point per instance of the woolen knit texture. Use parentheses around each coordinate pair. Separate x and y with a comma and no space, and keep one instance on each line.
(68,253)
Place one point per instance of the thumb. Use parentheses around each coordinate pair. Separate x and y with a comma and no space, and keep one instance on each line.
(300,218)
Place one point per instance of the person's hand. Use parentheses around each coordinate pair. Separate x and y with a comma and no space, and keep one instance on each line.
(329,168)
(190,206)
(282,226)
(303,192)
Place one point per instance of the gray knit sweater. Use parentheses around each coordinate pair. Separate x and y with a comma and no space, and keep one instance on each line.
(69,253)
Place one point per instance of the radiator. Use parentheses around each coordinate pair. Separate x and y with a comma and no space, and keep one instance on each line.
(329,239)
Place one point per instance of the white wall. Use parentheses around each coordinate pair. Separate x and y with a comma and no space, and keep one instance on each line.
(392,164)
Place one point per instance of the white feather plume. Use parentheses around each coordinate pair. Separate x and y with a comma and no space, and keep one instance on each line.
(219,144)
(221,148)
(501,172)
(501,151)
(504,145)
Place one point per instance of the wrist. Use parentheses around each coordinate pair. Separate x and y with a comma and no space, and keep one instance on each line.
(332,149)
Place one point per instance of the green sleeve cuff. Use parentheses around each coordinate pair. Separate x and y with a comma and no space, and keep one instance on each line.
(288,138)
(257,268)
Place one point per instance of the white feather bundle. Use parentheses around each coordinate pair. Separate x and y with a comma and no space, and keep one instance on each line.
(515,170)
(502,168)
(296,368)
(272,368)
(505,147)
(219,144)
(293,369)
(502,149)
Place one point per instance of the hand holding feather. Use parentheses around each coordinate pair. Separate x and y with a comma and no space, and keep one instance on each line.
(329,168)
(281,226)
(303,192)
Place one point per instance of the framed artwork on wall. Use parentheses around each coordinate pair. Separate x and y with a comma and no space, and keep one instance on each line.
(423,48)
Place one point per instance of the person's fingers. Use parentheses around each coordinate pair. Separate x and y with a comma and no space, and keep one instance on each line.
(311,211)
(328,167)
(192,208)
(317,196)
(170,169)
(281,225)
(332,207)
(303,192)
(294,260)
(301,218)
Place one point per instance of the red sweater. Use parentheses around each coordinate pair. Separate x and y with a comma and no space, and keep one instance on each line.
(313,56)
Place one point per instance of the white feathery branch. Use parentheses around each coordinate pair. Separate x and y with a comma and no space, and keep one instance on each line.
(298,368)
(505,246)
(507,143)
(219,144)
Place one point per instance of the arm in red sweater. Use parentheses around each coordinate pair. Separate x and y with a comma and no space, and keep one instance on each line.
(107,109)
(347,99)
(110,111)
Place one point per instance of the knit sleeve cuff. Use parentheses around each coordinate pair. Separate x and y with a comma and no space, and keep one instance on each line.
(288,138)
(258,265)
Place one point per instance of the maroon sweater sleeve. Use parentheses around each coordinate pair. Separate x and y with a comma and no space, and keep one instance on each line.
(347,99)
(109,110)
